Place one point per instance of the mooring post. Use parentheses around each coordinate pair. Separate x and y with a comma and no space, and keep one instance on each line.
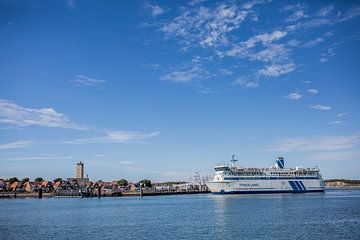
(99,192)
(40,193)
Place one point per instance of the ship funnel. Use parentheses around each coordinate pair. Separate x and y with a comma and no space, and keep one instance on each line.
(279,163)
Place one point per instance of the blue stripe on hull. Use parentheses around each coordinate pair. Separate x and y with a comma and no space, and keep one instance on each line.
(293,185)
(303,186)
(263,192)
(299,186)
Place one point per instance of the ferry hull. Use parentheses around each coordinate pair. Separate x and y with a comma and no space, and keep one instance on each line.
(265,186)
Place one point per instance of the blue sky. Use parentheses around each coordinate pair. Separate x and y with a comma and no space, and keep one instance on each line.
(161,89)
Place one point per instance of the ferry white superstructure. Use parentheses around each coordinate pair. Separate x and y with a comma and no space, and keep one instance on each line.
(230,179)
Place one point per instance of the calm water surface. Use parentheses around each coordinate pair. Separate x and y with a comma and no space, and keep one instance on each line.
(334,214)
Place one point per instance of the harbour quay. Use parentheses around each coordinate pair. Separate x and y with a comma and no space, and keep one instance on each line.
(82,187)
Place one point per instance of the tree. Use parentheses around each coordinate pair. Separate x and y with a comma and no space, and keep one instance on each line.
(13,179)
(122,182)
(24,180)
(39,179)
(145,183)
(57,180)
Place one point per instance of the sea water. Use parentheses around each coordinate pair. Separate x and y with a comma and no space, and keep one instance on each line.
(334,214)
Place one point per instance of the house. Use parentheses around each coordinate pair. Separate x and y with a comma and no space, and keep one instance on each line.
(2,185)
(36,185)
(15,186)
(107,186)
(114,185)
(133,187)
(47,186)
(28,187)
(58,185)
(78,182)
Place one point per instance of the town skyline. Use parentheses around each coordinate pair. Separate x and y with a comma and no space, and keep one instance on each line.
(159,90)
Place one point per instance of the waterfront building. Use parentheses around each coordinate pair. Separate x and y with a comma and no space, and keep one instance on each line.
(2,185)
(28,187)
(14,185)
(57,184)
(133,187)
(47,186)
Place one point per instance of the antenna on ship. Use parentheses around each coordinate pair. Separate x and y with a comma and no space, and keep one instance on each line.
(233,160)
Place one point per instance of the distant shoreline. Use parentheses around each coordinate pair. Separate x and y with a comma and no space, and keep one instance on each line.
(342,187)
(341,183)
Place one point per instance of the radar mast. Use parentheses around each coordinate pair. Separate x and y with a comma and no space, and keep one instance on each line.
(233,161)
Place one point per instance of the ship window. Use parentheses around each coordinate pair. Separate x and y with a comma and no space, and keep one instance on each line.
(222,169)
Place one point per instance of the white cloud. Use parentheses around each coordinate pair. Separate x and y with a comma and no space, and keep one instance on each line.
(265,38)
(271,53)
(276,70)
(323,17)
(298,12)
(342,114)
(320,107)
(151,66)
(116,164)
(15,145)
(314,42)
(293,42)
(312,91)
(110,136)
(83,80)
(327,143)
(260,47)
(205,27)
(123,136)
(294,96)
(205,90)
(297,15)
(325,11)
(250,4)
(245,83)
(350,14)
(312,23)
(154,10)
(225,71)
(293,7)
(330,156)
(43,157)
(70,3)
(194,2)
(185,76)
(11,113)
(337,122)
(325,57)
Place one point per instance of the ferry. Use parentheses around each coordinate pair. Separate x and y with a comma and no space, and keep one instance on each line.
(230,179)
